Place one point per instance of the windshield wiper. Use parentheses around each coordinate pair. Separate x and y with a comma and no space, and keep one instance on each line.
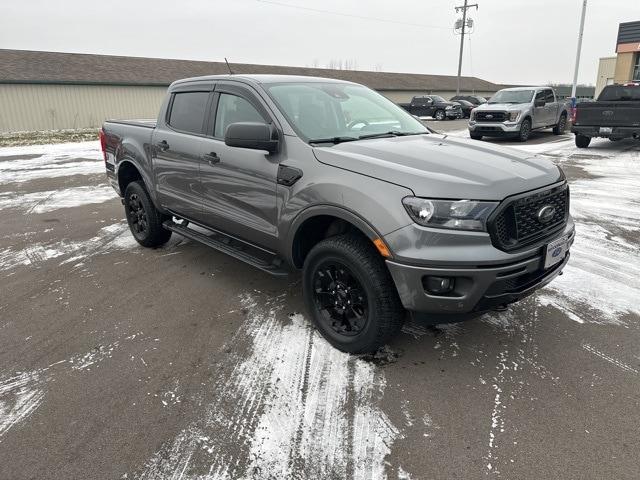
(392,133)
(333,140)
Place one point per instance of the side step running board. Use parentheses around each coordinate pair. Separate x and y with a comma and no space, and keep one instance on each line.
(232,247)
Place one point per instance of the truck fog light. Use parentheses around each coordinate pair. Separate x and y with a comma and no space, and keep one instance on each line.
(439,285)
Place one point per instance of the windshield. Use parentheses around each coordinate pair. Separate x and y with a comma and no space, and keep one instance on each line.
(438,98)
(340,111)
(512,96)
(619,92)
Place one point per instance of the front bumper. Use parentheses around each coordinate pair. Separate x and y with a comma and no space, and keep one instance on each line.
(616,132)
(479,287)
(504,129)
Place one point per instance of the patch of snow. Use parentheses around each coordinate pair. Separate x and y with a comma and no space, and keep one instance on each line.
(52,161)
(48,201)
(20,396)
(293,406)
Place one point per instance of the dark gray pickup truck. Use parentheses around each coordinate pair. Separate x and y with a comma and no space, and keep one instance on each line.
(616,115)
(381,215)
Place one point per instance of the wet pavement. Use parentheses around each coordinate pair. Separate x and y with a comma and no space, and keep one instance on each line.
(123,362)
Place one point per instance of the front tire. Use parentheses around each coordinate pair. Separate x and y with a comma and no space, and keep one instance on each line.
(475,137)
(582,141)
(350,294)
(440,115)
(525,130)
(145,221)
(560,128)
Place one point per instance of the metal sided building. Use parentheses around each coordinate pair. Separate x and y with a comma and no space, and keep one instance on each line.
(53,91)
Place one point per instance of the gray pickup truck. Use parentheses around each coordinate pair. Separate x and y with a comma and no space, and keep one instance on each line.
(329,177)
(516,112)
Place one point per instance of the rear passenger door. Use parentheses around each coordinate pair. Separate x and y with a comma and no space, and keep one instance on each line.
(176,149)
(239,184)
(540,114)
(551,107)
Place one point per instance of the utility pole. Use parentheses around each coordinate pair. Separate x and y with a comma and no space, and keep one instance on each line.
(575,72)
(464,9)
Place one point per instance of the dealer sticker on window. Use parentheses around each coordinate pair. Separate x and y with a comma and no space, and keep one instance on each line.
(556,251)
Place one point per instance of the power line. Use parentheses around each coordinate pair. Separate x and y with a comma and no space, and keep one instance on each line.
(361,17)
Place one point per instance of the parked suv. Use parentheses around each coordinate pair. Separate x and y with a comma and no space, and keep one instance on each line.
(331,178)
(432,106)
(516,112)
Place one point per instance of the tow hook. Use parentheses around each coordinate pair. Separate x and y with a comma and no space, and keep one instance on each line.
(501,308)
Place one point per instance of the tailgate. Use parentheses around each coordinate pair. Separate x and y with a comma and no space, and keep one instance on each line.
(610,114)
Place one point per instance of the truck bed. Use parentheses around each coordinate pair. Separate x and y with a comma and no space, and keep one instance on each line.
(146,123)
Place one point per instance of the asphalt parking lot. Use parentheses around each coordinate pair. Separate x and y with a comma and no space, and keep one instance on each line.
(123,362)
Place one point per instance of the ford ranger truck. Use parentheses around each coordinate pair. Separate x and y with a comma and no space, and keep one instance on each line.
(516,112)
(616,115)
(330,178)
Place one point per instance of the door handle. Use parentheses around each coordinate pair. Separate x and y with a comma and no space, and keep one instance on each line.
(211,157)
(162,146)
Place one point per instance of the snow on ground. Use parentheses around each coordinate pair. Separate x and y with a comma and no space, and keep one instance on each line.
(294,406)
(23,164)
(602,278)
(51,200)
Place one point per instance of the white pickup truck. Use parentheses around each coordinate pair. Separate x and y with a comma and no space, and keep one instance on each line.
(516,112)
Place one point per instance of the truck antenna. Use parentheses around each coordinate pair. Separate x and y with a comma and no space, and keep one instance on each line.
(227,62)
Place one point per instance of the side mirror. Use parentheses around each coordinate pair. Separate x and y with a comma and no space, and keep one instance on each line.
(539,102)
(253,135)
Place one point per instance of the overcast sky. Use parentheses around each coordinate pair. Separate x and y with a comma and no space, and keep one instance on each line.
(515,41)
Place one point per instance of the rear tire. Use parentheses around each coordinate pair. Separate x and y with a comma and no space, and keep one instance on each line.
(582,141)
(525,130)
(350,294)
(560,128)
(145,221)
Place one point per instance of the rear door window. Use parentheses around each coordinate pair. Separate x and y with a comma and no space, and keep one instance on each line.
(233,109)
(188,111)
(549,96)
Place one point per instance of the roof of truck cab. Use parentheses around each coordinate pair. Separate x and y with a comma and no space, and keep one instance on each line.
(262,78)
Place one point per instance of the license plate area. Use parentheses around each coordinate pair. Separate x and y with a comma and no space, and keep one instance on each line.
(606,129)
(555,251)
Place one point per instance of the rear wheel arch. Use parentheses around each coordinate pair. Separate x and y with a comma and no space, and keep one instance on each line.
(318,223)
(128,172)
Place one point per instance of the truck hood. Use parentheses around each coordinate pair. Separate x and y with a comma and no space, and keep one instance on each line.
(503,106)
(442,166)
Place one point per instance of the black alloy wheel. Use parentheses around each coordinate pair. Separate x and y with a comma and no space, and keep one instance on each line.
(137,215)
(340,298)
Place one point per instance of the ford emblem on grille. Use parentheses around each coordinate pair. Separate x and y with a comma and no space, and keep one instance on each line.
(546,214)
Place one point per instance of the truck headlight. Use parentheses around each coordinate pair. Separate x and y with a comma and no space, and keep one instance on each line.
(448,107)
(513,116)
(451,214)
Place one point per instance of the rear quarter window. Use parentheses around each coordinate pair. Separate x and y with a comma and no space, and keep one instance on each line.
(188,110)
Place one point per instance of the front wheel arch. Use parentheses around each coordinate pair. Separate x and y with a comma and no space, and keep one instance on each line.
(325,215)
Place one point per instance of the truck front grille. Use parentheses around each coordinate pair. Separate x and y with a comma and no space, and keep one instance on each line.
(515,224)
(498,117)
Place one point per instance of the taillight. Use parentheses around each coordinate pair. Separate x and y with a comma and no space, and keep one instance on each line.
(103,144)
(574,114)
